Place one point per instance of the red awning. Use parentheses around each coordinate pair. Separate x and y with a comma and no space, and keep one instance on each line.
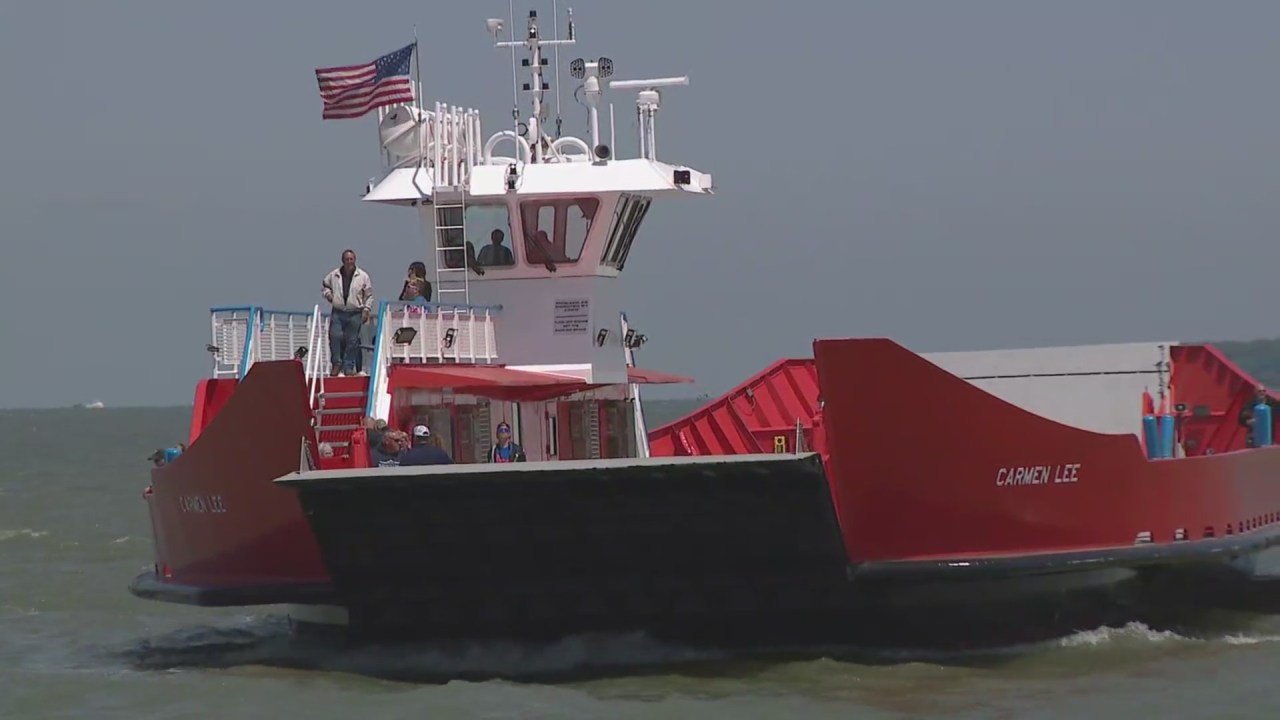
(653,377)
(504,383)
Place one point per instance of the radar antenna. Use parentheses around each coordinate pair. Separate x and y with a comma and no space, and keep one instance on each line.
(537,87)
(592,71)
(648,101)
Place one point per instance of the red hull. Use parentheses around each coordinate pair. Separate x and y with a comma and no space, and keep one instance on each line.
(218,519)
(919,462)
(914,455)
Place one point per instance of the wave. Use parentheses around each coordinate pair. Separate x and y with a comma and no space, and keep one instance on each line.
(1136,632)
(23,533)
(269,641)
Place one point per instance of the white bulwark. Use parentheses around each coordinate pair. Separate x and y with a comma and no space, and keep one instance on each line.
(1091,387)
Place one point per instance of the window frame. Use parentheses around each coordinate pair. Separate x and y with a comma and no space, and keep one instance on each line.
(509,230)
(628,215)
(561,206)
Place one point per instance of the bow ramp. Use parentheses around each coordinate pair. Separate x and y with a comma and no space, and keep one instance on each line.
(545,542)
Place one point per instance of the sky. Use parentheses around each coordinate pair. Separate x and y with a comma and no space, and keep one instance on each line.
(955,176)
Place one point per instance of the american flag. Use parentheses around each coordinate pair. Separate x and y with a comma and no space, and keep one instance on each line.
(351,91)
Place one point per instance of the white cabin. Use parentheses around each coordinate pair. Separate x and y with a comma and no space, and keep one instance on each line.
(523,250)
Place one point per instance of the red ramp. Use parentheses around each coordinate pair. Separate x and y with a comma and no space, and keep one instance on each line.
(758,416)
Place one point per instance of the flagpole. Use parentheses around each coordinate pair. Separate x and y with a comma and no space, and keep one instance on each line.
(417,93)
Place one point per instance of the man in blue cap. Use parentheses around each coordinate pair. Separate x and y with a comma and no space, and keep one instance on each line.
(505,450)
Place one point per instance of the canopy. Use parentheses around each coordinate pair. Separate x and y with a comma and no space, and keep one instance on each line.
(510,384)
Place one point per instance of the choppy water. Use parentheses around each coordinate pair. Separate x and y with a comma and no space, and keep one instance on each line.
(74,643)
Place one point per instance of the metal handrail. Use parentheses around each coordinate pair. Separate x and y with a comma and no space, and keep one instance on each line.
(247,355)
(315,377)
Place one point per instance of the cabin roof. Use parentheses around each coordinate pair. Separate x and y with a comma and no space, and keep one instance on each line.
(637,175)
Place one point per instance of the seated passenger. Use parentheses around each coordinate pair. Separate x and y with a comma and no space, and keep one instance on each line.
(416,289)
(424,452)
(389,451)
(495,253)
(505,451)
(538,249)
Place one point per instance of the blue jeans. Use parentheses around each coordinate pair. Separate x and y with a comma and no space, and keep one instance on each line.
(344,339)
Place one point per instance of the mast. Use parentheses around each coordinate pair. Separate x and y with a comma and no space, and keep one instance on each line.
(537,87)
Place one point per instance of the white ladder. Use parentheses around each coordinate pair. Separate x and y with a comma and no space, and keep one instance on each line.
(453,276)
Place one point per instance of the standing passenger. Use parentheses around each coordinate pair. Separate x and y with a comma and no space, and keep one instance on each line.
(505,450)
(416,289)
(350,292)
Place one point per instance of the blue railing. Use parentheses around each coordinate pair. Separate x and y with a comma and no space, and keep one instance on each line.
(263,328)
(376,373)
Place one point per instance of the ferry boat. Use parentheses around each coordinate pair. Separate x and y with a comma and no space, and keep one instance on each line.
(864,494)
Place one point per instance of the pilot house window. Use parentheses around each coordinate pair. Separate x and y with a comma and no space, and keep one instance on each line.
(555,231)
(626,223)
(489,235)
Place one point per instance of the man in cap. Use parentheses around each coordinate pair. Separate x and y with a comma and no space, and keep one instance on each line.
(505,450)
(423,452)
(1260,397)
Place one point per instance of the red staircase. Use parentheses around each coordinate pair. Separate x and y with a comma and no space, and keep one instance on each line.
(339,408)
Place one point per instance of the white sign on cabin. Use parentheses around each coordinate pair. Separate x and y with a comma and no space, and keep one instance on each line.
(571,316)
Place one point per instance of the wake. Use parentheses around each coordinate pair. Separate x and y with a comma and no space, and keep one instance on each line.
(268,641)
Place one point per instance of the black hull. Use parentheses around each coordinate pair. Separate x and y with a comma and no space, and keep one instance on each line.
(740,550)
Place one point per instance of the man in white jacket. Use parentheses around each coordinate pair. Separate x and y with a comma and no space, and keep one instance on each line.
(350,291)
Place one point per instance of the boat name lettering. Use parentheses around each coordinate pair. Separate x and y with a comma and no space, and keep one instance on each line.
(1038,475)
(202,503)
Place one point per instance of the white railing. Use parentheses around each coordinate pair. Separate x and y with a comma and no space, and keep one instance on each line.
(437,333)
(231,339)
(406,333)
(453,149)
(242,336)
(280,334)
(446,140)
(317,354)
(428,333)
